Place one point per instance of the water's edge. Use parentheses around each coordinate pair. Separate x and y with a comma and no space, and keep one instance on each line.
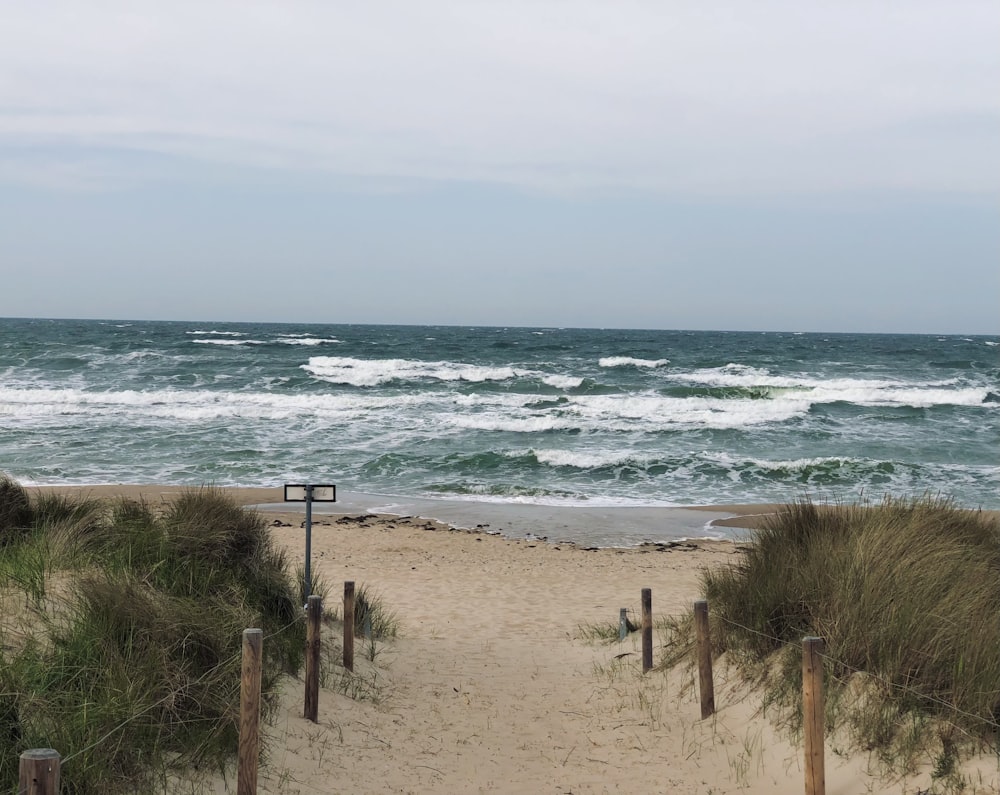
(601,526)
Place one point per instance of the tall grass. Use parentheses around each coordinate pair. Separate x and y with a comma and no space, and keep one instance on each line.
(124,651)
(15,510)
(372,615)
(906,595)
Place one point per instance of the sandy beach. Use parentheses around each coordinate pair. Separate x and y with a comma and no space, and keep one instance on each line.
(493,686)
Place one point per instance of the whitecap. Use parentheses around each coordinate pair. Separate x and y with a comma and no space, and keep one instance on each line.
(301,340)
(629,361)
(562,381)
(230,342)
(588,460)
(372,372)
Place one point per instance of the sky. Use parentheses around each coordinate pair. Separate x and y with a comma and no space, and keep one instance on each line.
(789,165)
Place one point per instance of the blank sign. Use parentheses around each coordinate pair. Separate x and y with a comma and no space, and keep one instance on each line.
(297,493)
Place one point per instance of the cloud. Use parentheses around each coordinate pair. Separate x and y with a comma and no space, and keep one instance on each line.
(682,97)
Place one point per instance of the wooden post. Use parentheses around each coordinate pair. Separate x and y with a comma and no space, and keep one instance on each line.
(647,629)
(349,626)
(38,772)
(622,624)
(812,714)
(314,615)
(705,682)
(249,750)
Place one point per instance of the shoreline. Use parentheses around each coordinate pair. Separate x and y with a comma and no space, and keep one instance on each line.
(606,526)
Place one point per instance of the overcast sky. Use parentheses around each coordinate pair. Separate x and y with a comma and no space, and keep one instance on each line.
(712,164)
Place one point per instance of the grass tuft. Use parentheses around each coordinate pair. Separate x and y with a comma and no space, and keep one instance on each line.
(122,629)
(371,613)
(906,595)
(15,510)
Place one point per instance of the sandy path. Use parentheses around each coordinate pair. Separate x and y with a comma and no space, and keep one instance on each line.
(491,689)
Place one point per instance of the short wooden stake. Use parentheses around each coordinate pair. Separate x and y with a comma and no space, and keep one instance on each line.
(314,616)
(622,623)
(705,682)
(647,629)
(38,772)
(812,714)
(249,749)
(349,626)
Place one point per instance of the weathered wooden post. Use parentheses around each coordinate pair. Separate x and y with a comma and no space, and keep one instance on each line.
(249,749)
(706,683)
(812,714)
(314,615)
(38,772)
(349,626)
(622,624)
(647,629)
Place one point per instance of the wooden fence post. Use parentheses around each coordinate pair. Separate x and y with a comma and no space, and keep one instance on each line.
(622,624)
(314,616)
(812,714)
(249,749)
(706,683)
(38,772)
(349,626)
(647,629)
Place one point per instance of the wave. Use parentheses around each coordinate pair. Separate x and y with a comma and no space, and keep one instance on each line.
(375,372)
(803,468)
(626,413)
(297,339)
(734,392)
(824,472)
(576,459)
(859,391)
(229,342)
(610,475)
(752,475)
(497,422)
(200,404)
(217,333)
(283,340)
(563,381)
(654,412)
(629,361)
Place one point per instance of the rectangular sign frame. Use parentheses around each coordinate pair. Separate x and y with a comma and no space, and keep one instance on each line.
(296,492)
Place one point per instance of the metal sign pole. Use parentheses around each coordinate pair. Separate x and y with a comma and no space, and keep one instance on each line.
(309,530)
(303,492)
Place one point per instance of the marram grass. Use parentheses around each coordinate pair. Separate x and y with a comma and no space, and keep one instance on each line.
(905,594)
(121,632)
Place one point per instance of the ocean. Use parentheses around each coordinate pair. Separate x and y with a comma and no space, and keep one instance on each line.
(511,416)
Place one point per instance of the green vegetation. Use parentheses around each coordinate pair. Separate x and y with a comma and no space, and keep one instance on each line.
(121,632)
(372,617)
(906,595)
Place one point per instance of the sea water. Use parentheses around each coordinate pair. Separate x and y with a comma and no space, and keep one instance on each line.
(553,416)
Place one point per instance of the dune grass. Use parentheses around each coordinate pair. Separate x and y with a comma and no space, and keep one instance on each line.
(121,632)
(372,616)
(906,595)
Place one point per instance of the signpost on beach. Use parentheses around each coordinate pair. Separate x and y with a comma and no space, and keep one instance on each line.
(308,493)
